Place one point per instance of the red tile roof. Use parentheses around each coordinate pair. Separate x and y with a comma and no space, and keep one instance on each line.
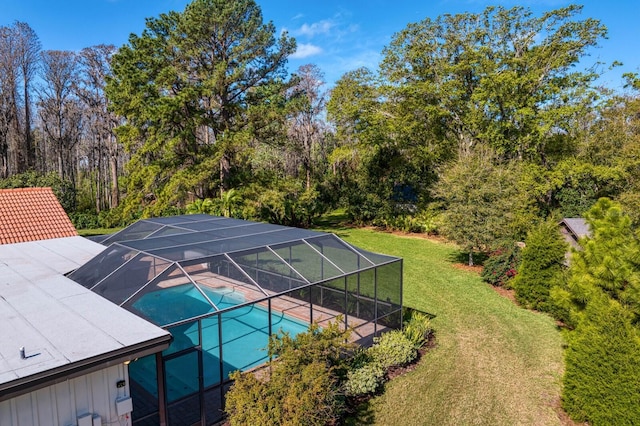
(31,214)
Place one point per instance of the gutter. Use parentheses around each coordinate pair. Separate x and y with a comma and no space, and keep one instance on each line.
(65,372)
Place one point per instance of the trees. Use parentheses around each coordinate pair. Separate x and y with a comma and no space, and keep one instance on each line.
(602,299)
(102,150)
(502,78)
(19,50)
(27,49)
(542,267)
(607,266)
(186,88)
(479,202)
(60,108)
(306,128)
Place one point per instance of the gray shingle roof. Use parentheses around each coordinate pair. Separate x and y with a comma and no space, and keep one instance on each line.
(578,226)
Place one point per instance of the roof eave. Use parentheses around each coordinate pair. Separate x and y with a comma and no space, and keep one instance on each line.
(68,371)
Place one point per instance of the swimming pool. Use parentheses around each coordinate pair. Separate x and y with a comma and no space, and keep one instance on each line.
(245,336)
(170,305)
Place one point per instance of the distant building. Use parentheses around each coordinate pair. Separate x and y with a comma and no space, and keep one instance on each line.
(573,229)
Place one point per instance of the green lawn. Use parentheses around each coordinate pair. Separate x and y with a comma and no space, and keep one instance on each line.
(97,231)
(494,364)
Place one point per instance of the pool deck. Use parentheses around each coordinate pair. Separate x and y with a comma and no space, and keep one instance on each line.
(363,331)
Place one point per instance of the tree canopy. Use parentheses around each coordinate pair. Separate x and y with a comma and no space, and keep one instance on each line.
(503,77)
(186,88)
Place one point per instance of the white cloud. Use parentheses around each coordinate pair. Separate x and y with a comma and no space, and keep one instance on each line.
(305,50)
(311,30)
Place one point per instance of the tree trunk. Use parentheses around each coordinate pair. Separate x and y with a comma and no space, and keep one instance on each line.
(28,138)
(225,172)
(470,258)
(115,189)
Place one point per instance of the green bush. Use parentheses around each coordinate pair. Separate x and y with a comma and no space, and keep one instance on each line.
(85,220)
(542,267)
(417,329)
(602,377)
(212,206)
(364,380)
(305,383)
(391,349)
(501,266)
(407,223)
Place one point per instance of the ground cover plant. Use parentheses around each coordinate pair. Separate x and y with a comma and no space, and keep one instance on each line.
(494,363)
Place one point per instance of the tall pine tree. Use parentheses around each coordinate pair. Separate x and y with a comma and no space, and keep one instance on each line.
(602,379)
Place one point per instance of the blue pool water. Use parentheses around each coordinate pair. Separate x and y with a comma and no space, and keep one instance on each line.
(174,304)
(245,336)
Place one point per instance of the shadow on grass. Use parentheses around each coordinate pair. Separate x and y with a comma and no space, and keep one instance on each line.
(336,221)
(463,257)
(362,414)
(333,218)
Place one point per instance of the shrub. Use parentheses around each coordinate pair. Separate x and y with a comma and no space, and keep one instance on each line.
(501,266)
(542,267)
(417,329)
(304,387)
(391,349)
(212,206)
(85,220)
(364,380)
(602,376)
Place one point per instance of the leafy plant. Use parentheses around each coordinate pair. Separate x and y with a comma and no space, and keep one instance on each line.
(212,206)
(391,349)
(501,266)
(602,375)
(417,329)
(305,382)
(364,380)
(85,220)
(543,259)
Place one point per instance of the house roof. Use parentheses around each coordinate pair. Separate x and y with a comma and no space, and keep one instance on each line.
(32,214)
(65,329)
(577,226)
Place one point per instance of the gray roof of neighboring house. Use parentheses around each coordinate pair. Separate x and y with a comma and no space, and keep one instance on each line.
(66,329)
(577,226)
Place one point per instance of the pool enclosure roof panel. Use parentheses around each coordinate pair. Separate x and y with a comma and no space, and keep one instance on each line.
(171,269)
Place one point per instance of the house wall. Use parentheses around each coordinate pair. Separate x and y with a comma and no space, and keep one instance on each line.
(63,403)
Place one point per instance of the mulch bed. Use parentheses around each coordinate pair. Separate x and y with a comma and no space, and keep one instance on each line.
(354,402)
(476,269)
(396,371)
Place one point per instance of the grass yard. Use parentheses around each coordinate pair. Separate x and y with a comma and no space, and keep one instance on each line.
(494,364)
(97,231)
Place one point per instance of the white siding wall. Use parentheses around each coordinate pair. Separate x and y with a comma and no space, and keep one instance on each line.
(61,404)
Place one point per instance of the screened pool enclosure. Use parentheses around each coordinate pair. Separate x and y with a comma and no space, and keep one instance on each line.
(221,286)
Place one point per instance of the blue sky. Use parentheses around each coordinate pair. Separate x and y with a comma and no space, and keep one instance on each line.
(337,35)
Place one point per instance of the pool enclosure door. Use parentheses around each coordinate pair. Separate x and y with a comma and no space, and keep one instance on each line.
(184,387)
